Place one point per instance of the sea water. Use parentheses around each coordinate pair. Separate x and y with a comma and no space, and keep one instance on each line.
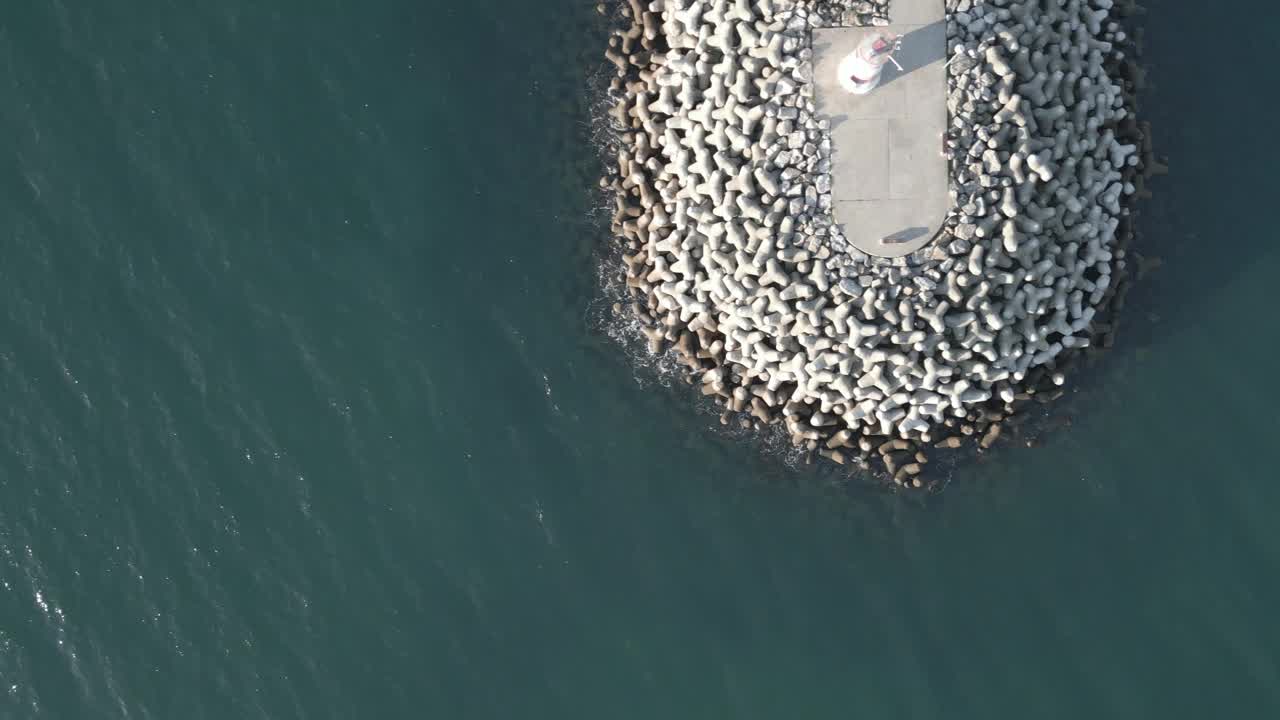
(311,410)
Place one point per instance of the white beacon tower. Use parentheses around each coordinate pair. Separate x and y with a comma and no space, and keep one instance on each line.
(860,70)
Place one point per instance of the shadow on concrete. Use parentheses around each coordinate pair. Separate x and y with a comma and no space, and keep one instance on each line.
(905,236)
(921,48)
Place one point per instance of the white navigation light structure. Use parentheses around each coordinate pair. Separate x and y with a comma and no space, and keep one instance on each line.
(860,70)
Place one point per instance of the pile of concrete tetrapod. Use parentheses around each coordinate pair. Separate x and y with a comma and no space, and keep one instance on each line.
(829,13)
(722,187)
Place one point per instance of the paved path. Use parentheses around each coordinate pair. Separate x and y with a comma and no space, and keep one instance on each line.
(889,179)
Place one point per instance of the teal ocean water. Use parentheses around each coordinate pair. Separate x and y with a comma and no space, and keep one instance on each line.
(307,413)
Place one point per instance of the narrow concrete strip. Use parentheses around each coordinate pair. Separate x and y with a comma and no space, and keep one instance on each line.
(889,179)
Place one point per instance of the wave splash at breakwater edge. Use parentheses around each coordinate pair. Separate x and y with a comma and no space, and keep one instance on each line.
(734,260)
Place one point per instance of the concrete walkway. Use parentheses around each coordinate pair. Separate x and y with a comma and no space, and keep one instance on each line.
(889,179)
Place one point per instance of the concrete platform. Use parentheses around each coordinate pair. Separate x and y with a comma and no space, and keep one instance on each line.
(889,179)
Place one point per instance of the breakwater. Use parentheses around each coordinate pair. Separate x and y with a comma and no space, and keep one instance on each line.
(736,262)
